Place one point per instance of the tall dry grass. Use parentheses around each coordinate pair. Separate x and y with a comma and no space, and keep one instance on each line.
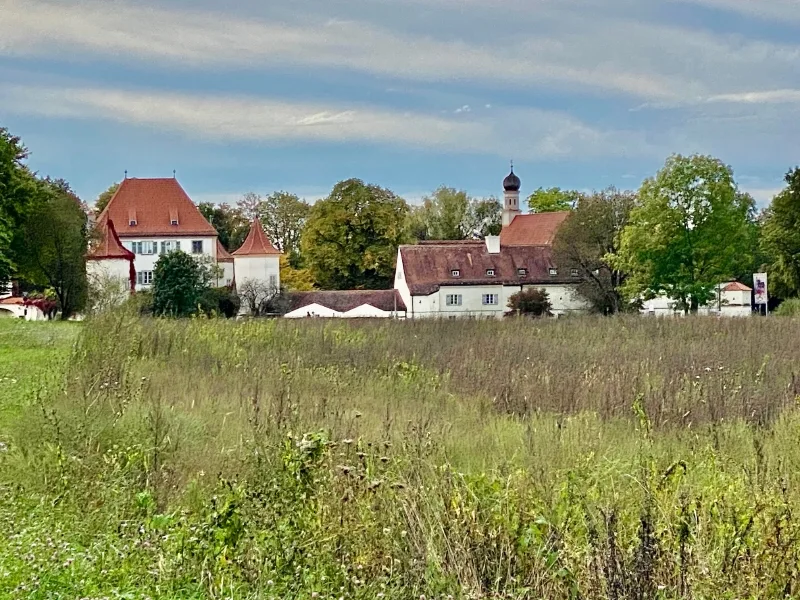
(584,458)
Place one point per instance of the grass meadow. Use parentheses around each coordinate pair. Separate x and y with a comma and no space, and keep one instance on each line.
(622,458)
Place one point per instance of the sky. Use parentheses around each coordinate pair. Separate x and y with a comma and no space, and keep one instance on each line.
(254,95)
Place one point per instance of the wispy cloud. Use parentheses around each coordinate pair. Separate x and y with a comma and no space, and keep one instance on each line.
(580,52)
(525,133)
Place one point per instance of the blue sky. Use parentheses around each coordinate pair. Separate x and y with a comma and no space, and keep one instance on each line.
(409,94)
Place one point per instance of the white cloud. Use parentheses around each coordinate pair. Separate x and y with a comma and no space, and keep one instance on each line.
(526,133)
(565,48)
(765,97)
(780,10)
(762,195)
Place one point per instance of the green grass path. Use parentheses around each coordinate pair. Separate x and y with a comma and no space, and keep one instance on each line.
(29,352)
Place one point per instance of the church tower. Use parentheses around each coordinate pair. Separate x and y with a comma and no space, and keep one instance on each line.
(511,186)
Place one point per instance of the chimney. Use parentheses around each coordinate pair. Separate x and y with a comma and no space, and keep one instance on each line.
(493,244)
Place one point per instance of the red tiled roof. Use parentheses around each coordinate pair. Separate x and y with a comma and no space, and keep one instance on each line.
(427,267)
(109,246)
(257,242)
(222,254)
(342,301)
(153,204)
(13,300)
(735,286)
(533,230)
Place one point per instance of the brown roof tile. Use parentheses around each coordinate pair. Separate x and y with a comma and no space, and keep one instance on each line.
(257,242)
(735,286)
(427,267)
(342,301)
(533,230)
(222,254)
(109,246)
(154,204)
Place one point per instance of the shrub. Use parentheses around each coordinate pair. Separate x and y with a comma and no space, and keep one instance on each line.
(220,301)
(178,283)
(530,303)
(789,308)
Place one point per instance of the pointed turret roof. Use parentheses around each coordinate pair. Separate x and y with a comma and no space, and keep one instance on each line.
(257,243)
(109,246)
(222,254)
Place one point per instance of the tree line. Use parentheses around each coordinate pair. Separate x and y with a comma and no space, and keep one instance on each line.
(684,231)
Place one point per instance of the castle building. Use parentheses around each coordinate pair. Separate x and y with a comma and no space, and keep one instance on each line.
(476,278)
(147,218)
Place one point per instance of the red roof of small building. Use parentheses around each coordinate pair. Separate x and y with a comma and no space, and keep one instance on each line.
(538,229)
(429,266)
(13,301)
(109,246)
(149,207)
(222,254)
(735,286)
(343,301)
(257,242)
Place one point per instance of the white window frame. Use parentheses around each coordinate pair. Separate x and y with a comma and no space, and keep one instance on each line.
(522,272)
(574,273)
(553,271)
(455,272)
(490,272)
(453,300)
(144,277)
(491,299)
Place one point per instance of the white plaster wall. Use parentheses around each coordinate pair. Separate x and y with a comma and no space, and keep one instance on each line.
(147,262)
(369,311)
(400,283)
(471,301)
(101,273)
(29,313)
(312,310)
(258,268)
(227,274)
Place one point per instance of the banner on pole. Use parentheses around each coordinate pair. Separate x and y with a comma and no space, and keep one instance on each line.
(760,288)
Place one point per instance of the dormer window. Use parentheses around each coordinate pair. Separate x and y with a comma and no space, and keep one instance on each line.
(132,217)
(173,222)
(132,223)
(553,272)
(522,272)
(173,216)
(455,273)
(574,273)
(490,272)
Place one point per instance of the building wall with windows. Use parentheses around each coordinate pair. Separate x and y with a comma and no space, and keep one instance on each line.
(487,301)
(149,250)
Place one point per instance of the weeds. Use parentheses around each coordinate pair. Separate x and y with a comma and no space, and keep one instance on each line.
(613,458)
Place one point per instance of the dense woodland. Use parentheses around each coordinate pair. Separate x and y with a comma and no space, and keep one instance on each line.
(685,230)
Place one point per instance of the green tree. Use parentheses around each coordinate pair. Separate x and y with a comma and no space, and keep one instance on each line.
(585,241)
(51,243)
(780,239)
(104,198)
(530,303)
(690,232)
(450,214)
(230,222)
(17,190)
(351,238)
(283,216)
(552,200)
(179,283)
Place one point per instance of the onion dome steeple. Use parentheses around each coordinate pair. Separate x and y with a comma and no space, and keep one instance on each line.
(512,183)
